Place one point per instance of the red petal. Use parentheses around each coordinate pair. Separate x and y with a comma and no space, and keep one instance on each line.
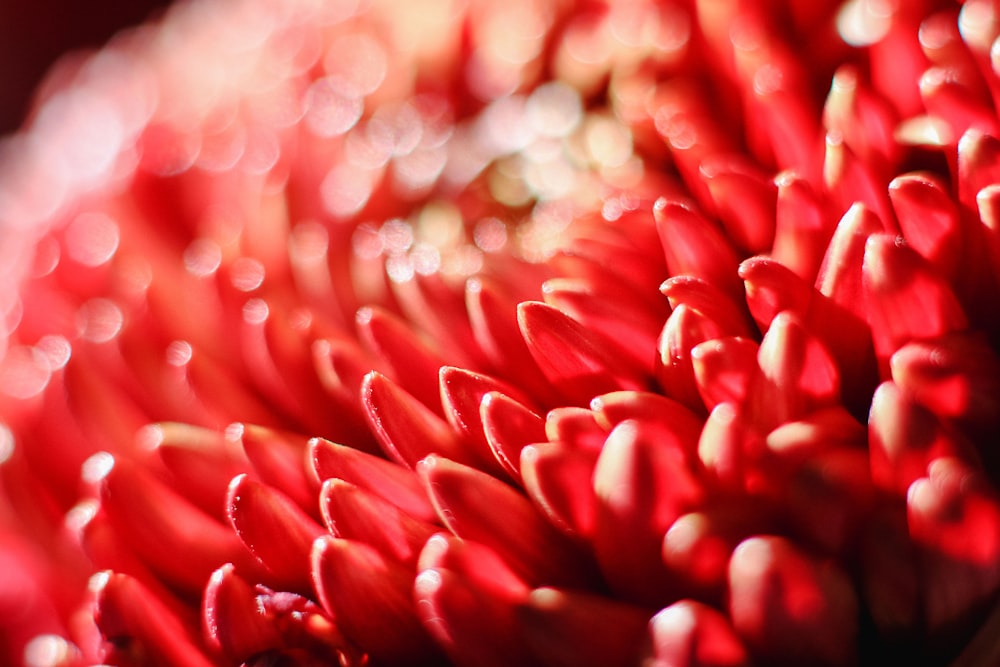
(557,477)
(509,427)
(723,369)
(406,428)
(928,218)
(616,314)
(789,608)
(744,199)
(158,523)
(478,507)
(235,624)
(577,362)
(462,394)
(641,489)
(852,181)
(577,427)
(840,275)
(722,448)
(494,321)
(279,460)
(396,484)
(275,530)
(694,246)
(371,598)
(694,634)
(467,598)
(729,315)
(129,616)
(352,513)
(906,300)
(202,461)
(575,629)
(803,227)
(414,364)
(685,329)
(797,374)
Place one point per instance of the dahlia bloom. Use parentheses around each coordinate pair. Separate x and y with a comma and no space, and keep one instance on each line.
(532,332)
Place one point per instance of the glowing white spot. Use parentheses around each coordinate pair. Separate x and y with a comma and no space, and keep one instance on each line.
(179,353)
(6,443)
(330,111)
(99,320)
(97,467)
(202,258)
(247,274)
(92,238)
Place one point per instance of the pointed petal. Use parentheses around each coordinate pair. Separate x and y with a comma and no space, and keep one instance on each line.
(677,427)
(351,513)
(576,361)
(557,477)
(641,489)
(462,393)
(576,629)
(158,523)
(685,329)
(414,364)
(722,447)
(840,275)
(509,427)
(279,460)
(906,300)
(478,507)
(275,530)
(790,608)
(849,179)
(406,429)
(396,484)
(577,427)
(467,598)
(494,322)
(954,516)
(928,218)
(797,374)
(201,460)
(723,369)
(371,598)
(234,623)
(694,634)
(744,199)
(129,616)
(803,227)
(616,314)
(719,307)
(694,246)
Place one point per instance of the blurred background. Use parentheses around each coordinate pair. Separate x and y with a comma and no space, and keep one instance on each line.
(34,33)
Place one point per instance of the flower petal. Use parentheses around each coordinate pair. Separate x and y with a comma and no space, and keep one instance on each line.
(691,633)
(509,427)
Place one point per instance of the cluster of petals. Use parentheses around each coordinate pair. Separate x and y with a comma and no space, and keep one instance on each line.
(469,332)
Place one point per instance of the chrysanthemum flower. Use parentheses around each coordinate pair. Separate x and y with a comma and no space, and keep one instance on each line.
(507,333)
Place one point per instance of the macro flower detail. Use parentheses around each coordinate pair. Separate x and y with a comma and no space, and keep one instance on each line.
(521,333)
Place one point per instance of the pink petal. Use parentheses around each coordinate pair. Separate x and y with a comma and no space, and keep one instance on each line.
(370,597)
(275,530)
(478,507)
(352,513)
(396,484)
(790,608)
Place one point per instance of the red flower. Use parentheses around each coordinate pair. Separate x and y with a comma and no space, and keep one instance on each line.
(507,333)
